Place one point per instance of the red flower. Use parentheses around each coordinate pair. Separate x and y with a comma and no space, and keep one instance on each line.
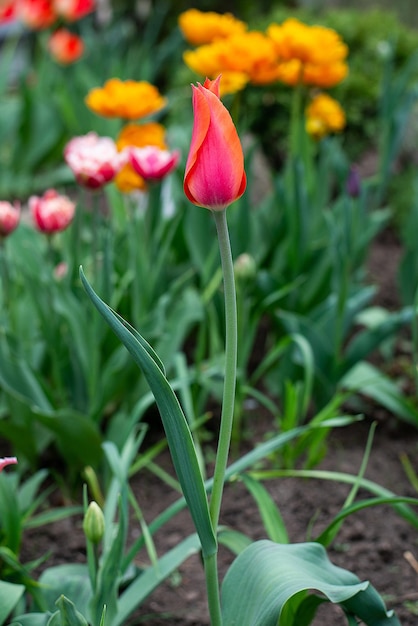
(7,10)
(94,160)
(51,212)
(215,175)
(9,217)
(72,10)
(153,163)
(65,47)
(36,14)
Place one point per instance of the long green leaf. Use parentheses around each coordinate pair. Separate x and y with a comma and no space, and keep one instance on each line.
(178,434)
(260,452)
(269,574)
(366,379)
(350,479)
(146,582)
(270,514)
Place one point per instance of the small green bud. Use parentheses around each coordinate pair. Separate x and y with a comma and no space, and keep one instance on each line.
(94,523)
(245,267)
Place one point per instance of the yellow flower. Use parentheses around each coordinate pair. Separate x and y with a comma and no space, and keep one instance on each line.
(141,135)
(199,27)
(312,55)
(127,180)
(138,135)
(128,99)
(324,115)
(232,82)
(251,56)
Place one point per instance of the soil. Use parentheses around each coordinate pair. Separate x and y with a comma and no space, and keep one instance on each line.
(377,544)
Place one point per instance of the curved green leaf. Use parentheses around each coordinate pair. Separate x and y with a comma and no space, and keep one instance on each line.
(178,434)
(10,595)
(269,574)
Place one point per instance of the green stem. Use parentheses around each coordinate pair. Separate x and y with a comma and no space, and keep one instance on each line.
(231,342)
(227,413)
(212,588)
(5,281)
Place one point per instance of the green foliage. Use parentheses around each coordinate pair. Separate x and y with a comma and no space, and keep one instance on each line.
(269,575)
(306,325)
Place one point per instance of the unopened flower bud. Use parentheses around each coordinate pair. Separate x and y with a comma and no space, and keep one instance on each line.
(245,267)
(94,523)
(353,183)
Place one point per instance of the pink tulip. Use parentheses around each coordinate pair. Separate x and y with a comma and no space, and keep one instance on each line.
(215,175)
(7,460)
(9,217)
(94,160)
(51,212)
(153,163)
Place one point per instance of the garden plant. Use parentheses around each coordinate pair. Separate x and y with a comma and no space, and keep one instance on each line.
(156,269)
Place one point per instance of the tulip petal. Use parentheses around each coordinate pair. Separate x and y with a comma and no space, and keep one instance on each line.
(215,174)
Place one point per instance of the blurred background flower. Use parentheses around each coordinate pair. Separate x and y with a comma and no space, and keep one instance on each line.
(93,160)
(51,212)
(324,115)
(200,27)
(129,99)
(65,47)
(9,217)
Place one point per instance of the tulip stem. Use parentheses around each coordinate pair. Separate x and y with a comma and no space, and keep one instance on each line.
(231,341)
(212,588)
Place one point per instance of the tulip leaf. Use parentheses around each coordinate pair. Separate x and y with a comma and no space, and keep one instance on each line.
(177,431)
(68,615)
(10,595)
(268,575)
(72,579)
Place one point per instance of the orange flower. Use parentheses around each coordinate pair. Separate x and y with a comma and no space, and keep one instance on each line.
(128,99)
(200,27)
(73,10)
(247,57)
(65,47)
(127,180)
(312,55)
(36,14)
(323,116)
(215,175)
(139,136)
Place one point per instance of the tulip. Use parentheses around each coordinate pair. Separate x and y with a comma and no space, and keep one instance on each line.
(94,160)
(36,14)
(353,184)
(153,163)
(7,460)
(65,47)
(51,212)
(72,10)
(9,217)
(7,11)
(215,175)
